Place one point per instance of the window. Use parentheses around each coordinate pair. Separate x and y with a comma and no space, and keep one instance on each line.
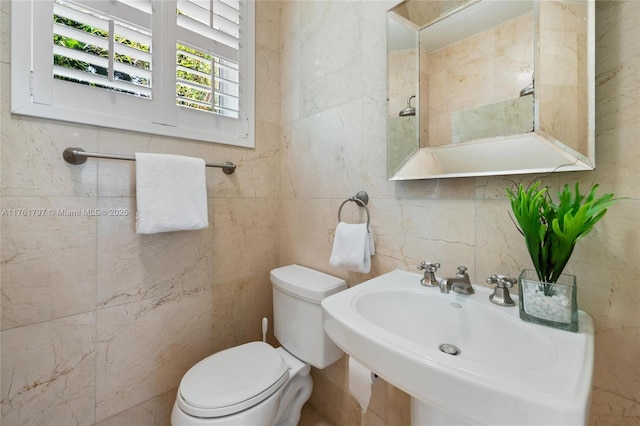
(182,68)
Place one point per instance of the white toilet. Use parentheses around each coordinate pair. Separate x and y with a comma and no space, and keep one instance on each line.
(255,384)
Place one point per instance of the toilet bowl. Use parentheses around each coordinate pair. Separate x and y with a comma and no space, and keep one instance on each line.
(256,384)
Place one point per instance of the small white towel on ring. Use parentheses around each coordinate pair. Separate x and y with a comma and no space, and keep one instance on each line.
(351,248)
(171,193)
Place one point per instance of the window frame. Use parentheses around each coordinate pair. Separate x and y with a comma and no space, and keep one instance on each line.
(34,91)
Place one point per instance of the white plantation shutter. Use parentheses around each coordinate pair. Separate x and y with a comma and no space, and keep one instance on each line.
(208,37)
(101,62)
(110,40)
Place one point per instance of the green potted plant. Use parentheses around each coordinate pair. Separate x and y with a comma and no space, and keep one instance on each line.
(551,230)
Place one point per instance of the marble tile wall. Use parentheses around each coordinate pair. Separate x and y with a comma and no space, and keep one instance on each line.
(500,58)
(98,324)
(561,78)
(107,344)
(333,126)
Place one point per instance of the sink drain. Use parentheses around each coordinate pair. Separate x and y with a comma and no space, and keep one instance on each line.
(449,349)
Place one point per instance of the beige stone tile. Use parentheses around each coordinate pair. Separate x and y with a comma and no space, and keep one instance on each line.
(243,240)
(290,69)
(156,411)
(335,135)
(435,231)
(48,258)
(268,24)
(289,233)
(322,70)
(515,31)
(48,372)
(134,267)
(374,77)
(32,163)
(617,96)
(245,251)
(375,146)
(268,85)
(608,409)
(501,58)
(502,247)
(5,25)
(558,52)
(403,66)
(616,170)
(377,408)
(238,308)
(616,31)
(144,348)
(398,406)
(615,371)
(318,220)
(494,187)
(311,417)
(257,173)
(560,110)
(514,66)
(369,418)
(334,402)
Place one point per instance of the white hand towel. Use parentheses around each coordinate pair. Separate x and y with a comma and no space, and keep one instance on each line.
(171,193)
(351,248)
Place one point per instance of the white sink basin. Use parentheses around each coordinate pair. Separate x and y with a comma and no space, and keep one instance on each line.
(507,372)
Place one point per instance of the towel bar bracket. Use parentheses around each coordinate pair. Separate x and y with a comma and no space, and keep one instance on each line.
(71,156)
(362,196)
(77,156)
(228,168)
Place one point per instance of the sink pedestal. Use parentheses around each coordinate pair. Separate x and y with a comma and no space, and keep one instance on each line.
(423,413)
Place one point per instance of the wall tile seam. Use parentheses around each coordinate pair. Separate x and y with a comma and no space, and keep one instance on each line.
(78,314)
(285,124)
(172,295)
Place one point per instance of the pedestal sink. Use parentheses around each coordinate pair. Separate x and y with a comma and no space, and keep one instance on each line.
(462,358)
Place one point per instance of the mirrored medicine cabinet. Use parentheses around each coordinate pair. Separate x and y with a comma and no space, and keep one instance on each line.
(490,87)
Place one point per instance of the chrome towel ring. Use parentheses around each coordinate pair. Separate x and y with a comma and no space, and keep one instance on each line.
(362,199)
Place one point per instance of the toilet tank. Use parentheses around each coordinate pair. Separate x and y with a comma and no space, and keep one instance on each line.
(297,315)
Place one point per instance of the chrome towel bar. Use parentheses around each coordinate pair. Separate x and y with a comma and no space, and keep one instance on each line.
(79,156)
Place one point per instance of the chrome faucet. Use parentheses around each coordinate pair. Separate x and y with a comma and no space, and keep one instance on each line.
(429,279)
(459,284)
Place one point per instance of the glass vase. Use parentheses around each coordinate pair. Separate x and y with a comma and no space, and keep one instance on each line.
(550,304)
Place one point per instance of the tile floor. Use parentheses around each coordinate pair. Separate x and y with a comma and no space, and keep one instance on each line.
(310,417)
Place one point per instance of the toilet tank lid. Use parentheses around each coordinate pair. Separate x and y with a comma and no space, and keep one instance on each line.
(306,283)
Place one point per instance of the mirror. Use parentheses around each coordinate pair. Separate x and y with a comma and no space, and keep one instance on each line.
(490,87)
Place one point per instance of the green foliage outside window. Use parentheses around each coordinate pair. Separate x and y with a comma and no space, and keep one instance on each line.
(198,95)
(75,64)
(194,60)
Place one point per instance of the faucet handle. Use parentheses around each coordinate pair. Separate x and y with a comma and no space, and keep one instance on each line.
(429,279)
(428,266)
(501,294)
(461,271)
(502,281)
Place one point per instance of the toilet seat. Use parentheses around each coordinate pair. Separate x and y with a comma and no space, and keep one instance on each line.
(232,380)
